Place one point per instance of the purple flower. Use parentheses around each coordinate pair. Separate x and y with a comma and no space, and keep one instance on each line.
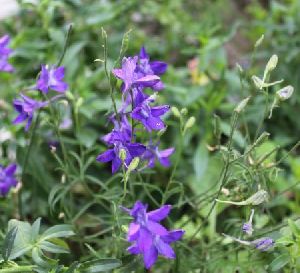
(52,78)
(247,227)
(150,116)
(5,52)
(26,108)
(131,78)
(263,244)
(148,237)
(146,67)
(7,178)
(131,150)
(121,131)
(152,154)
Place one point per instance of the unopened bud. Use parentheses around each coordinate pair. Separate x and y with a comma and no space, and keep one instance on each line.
(69,95)
(285,93)
(272,63)
(258,82)
(175,112)
(133,164)
(122,154)
(184,111)
(189,124)
(259,41)
(242,105)
(79,102)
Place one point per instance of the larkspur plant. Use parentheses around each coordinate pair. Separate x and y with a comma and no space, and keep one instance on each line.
(92,202)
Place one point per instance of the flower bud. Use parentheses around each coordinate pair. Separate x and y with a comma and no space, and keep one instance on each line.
(258,198)
(272,63)
(285,93)
(189,124)
(133,164)
(69,95)
(184,111)
(122,154)
(259,41)
(175,112)
(79,102)
(258,82)
(241,106)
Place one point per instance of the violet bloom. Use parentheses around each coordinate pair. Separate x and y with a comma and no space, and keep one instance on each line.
(52,78)
(5,52)
(146,67)
(153,153)
(247,227)
(148,237)
(131,150)
(129,76)
(7,178)
(150,116)
(26,108)
(121,131)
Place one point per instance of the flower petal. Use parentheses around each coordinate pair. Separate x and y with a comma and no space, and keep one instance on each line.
(150,257)
(159,214)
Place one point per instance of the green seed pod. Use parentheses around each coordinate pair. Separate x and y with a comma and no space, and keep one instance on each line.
(258,82)
(259,41)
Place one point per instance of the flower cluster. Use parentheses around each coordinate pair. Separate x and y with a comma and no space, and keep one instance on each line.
(50,78)
(5,53)
(7,178)
(137,73)
(148,237)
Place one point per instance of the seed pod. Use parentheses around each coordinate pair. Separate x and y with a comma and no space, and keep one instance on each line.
(175,112)
(241,106)
(272,63)
(122,155)
(133,164)
(189,124)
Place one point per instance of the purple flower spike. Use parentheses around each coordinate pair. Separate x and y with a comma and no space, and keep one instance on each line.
(132,150)
(26,108)
(5,52)
(263,244)
(7,178)
(150,116)
(52,78)
(132,79)
(152,154)
(149,238)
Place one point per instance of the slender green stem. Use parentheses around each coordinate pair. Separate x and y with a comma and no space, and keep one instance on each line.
(223,176)
(65,46)
(25,163)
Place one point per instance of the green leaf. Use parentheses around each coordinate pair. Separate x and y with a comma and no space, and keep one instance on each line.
(200,160)
(58,231)
(22,242)
(9,243)
(53,247)
(35,229)
(294,228)
(101,265)
(279,262)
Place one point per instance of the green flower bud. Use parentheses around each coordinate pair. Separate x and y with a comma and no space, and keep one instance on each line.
(133,164)
(259,41)
(242,105)
(272,63)
(184,111)
(175,112)
(189,124)
(122,155)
